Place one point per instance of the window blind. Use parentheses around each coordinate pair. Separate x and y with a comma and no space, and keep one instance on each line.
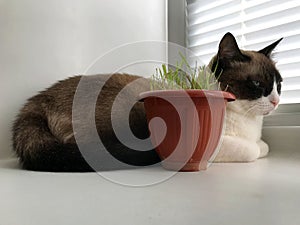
(255,24)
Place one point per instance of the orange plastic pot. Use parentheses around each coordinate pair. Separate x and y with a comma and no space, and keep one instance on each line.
(185,125)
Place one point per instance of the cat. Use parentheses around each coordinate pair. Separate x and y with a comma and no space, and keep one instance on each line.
(43,131)
(253,78)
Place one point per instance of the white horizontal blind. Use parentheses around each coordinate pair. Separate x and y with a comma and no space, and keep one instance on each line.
(255,24)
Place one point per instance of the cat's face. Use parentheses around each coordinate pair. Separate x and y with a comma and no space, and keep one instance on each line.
(251,76)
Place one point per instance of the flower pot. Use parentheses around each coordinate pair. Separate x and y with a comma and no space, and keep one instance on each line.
(189,127)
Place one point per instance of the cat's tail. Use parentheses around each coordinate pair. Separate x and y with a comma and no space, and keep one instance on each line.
(39,150)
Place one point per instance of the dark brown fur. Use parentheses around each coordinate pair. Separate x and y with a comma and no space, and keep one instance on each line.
(43,133)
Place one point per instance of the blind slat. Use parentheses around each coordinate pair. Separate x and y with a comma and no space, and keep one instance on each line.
(209,15)
(291,41)
(285,16)
(291,96)
(201,6)
(212,36)
(291,83)
(271,8)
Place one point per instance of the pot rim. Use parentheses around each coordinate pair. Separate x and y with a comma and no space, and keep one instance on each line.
(193,93)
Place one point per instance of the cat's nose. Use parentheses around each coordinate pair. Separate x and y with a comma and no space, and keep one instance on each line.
(274,102)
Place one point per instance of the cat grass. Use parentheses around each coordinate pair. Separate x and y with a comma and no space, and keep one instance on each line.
(184,76)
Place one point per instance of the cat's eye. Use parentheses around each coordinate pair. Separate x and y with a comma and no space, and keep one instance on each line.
(256,83)
(279,88)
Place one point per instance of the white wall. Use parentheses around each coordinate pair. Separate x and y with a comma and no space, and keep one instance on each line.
(43,41)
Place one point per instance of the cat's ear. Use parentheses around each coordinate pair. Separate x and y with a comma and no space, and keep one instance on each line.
(229,49)
(268,50)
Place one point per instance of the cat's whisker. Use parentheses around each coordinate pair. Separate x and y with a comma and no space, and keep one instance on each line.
(249,110)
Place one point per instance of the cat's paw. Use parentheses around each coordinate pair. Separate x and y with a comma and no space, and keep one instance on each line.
(264,148)
(236,149)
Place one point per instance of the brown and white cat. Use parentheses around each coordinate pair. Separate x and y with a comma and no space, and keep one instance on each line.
(43,135)
(255,81)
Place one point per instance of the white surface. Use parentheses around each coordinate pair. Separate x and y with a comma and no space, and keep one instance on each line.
(263,192)
(44,41)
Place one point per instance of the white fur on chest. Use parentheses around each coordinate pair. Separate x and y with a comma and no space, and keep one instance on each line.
(241,122)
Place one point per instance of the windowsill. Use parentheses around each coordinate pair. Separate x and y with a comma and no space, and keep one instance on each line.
(263,192)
